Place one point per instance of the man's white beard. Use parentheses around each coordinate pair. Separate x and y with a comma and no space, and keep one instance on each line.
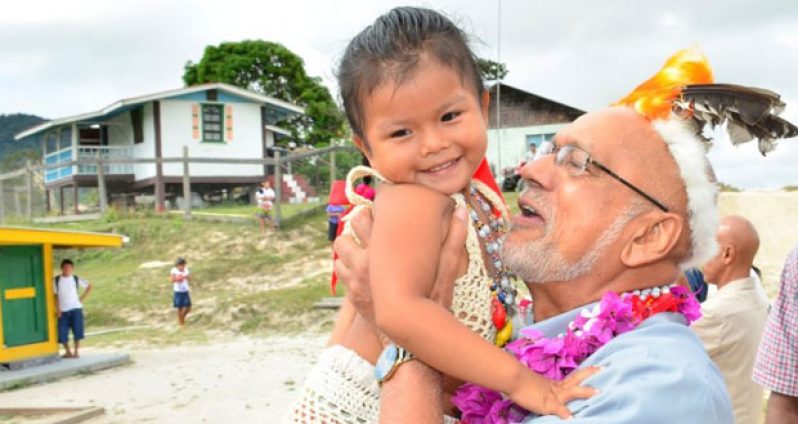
(539,261)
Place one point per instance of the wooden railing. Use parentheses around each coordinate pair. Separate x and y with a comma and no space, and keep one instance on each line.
(99,163)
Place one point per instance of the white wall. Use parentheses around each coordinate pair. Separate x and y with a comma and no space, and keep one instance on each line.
(513,145)
(247,140)
(147,148)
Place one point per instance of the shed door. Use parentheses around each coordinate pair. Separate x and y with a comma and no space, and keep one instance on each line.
(22,295)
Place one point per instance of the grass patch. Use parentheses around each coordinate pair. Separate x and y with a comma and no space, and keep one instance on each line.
(287,310)
(287,209)
(227,260)
(511,198)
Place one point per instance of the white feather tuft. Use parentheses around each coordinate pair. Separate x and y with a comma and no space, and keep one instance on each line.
(689,153)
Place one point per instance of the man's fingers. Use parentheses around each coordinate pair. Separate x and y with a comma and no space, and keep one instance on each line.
(456,238)
(450,258)
(344,247)
(361,225)
(342,271)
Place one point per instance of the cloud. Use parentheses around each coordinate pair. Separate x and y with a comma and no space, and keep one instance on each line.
(62,58)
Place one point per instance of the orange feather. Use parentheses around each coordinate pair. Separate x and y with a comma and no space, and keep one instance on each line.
(654,98)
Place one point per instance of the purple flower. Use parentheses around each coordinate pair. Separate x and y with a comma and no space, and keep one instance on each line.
(499,412)
(689,307)
(475,403)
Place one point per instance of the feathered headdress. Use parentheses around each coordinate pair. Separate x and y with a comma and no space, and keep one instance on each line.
(681,100)
(685,86)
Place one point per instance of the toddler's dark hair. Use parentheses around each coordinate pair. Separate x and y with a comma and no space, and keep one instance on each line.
(390,49)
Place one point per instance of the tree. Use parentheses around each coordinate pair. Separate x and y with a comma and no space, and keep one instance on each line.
(273,70)
(490,70)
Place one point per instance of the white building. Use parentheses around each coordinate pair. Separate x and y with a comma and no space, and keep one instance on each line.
(213,120)
(523,119)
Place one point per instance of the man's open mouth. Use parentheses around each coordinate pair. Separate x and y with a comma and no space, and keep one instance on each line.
(528,211)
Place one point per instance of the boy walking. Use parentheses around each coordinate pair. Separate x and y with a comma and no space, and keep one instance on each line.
(180,276)
(69,306)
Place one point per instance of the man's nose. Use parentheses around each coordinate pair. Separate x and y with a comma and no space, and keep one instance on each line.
(434,142)
(540,172)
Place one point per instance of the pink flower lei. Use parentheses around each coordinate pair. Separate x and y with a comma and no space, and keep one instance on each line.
(556,357)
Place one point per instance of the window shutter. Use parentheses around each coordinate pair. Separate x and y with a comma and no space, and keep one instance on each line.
(195,122)
(228,122)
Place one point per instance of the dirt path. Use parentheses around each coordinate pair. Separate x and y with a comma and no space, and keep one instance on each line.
(242,380)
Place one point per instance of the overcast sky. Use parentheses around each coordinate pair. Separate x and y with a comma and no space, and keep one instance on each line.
(61,58)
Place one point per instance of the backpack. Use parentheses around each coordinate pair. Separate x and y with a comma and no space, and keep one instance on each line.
(77,282)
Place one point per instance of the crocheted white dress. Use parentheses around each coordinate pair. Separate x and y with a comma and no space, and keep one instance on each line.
(341,387)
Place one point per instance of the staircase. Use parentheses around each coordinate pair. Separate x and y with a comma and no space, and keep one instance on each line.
(296,189)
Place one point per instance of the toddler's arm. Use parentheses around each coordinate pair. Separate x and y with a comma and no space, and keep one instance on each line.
(409,226)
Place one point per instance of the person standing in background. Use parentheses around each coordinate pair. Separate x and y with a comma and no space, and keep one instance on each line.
(180,276)
(776,366)
(732,320)
(265,197)
(69,306)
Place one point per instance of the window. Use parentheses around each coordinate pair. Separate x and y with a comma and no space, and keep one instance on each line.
(212,115)
(137,120)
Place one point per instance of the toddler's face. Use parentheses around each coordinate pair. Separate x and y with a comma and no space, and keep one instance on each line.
(429,130)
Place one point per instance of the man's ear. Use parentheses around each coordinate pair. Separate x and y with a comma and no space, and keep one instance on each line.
(654,238)
(362,146)
(485,105)
(728,253)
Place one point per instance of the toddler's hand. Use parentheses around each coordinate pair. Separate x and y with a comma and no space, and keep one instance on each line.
(551,400)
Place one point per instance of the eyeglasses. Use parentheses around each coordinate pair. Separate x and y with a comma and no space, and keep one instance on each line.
(576,160)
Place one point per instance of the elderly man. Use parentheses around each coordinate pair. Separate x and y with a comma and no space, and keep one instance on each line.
(733,319)
(606,210)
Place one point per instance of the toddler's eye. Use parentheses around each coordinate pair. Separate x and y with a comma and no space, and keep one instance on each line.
(400,133)
(448,116)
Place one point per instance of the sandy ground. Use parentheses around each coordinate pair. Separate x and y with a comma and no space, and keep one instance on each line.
(775,216)
(242,380)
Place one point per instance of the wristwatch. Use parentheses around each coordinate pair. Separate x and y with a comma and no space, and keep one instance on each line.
(390,359)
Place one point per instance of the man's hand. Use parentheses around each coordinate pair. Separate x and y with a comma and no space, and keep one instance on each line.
(453,260)
(352,265)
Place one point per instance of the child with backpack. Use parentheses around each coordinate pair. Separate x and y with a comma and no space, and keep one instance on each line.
(69,306)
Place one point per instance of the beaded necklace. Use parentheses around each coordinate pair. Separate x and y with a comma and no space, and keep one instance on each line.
(491,232)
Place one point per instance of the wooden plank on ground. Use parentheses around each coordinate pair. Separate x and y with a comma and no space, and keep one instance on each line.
(329,303)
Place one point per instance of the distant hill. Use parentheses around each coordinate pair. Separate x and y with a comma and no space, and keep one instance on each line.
(12,124)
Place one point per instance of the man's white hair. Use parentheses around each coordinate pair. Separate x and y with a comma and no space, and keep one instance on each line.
(689,153)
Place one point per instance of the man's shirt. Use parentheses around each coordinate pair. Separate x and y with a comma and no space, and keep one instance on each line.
(67,292)
(730,328)
(656,373)
(776,364)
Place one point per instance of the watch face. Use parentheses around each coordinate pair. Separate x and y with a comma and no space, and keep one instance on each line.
(386,362)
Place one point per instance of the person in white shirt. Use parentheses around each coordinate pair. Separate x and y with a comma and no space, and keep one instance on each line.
(69,306)
(734,317)
(179,276)
(265,197)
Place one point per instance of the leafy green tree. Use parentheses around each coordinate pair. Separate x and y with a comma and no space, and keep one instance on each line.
(271,69)
(492,71)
